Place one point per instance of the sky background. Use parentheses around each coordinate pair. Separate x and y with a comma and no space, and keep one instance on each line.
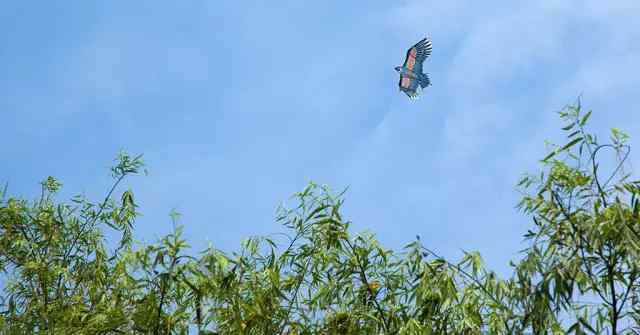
(236,105)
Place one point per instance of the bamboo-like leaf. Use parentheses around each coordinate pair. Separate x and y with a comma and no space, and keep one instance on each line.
(585,118)
(570,144)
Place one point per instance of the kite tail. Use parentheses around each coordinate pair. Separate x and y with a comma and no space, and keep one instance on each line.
(424,81)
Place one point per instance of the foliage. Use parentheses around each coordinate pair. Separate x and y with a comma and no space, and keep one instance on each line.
(586,233)
(63,278)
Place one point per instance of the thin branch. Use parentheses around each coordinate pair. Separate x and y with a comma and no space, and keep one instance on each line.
(365,281)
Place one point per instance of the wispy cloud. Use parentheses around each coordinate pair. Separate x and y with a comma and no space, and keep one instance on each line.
(237,106)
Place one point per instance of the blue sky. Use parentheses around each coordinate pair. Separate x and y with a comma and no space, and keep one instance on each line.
(238,104)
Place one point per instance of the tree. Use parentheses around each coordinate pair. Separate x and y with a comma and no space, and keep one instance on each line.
(585,241)
(63,277)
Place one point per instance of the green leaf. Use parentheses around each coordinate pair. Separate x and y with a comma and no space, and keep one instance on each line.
(585,118)
(315,211)
(570,144)
(549,156)
(573,134)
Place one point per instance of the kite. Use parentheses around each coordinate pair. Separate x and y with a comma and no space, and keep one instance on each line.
(412,80)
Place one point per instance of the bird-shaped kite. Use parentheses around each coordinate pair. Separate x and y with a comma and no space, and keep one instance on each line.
(412,80)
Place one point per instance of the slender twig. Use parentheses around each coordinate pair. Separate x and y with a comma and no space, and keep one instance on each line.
(581,246)
(294,297)
(365,281)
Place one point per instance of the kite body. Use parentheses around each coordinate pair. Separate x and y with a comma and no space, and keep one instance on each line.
(412,80)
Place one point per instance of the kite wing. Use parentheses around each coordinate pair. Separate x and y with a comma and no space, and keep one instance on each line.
(416,55)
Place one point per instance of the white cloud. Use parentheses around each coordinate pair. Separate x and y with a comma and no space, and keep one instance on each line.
(486,114)
(499,73)
(113,65)
(436,18)
(494,45)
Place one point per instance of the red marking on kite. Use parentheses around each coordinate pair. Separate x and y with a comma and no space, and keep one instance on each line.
(406,82)
(411,60)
